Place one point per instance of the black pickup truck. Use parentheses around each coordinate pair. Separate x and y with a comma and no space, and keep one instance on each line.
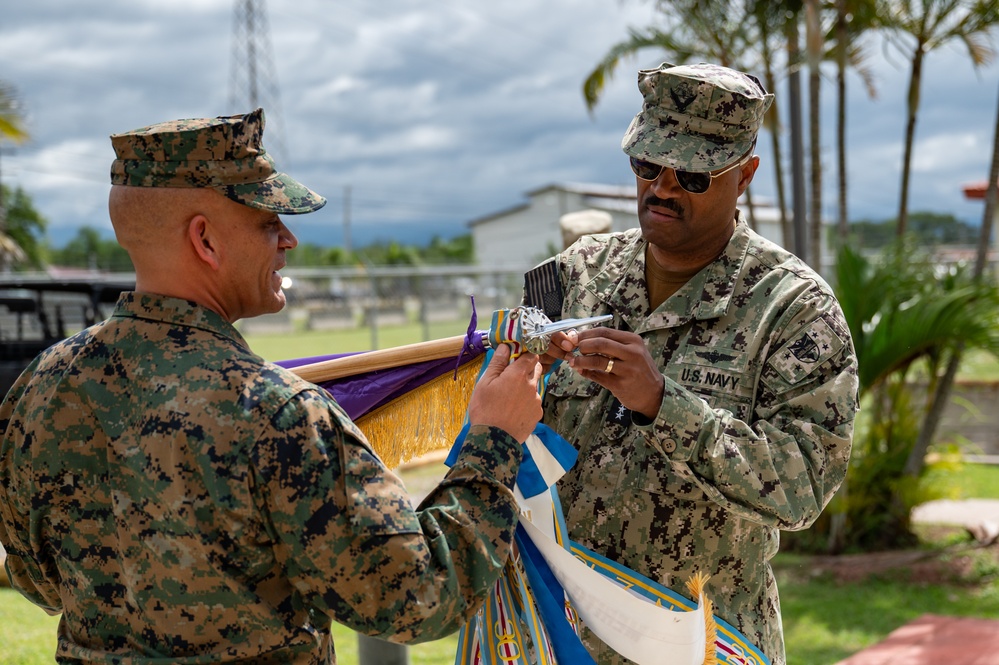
(36,313)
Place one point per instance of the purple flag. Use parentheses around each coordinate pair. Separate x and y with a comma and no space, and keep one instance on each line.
(362,393)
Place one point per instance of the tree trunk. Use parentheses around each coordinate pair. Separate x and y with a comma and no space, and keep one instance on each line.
(988,216)
(786,232)
(798,198)
(842,45)
(813,39)
(761,14)
(912,108)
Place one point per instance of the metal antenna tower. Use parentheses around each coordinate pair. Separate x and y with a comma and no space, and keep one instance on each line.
(252,82)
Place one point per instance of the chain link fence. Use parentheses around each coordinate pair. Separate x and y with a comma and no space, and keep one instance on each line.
(342,298)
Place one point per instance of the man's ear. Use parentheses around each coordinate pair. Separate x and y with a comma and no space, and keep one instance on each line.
(747,172)
(203,241)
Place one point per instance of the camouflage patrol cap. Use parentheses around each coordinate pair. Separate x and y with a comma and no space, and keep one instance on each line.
(696,118)
(223,153)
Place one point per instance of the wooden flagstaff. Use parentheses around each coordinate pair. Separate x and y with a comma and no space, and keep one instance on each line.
(369,361)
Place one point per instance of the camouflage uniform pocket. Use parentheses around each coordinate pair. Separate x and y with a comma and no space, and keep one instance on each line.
(652,472)
(570,404)
(717,375)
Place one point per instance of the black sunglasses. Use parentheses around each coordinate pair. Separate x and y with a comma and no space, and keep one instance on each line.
(695,183)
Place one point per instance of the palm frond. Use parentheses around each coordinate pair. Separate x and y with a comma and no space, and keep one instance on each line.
(11,122)
(926,325)
(595,82)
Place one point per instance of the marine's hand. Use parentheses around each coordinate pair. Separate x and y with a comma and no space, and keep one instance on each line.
(506,395)
(619,361)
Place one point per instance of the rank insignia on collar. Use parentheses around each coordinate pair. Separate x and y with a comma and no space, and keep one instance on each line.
(618,414)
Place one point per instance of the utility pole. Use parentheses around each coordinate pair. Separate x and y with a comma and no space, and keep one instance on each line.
(252,86)
(347,242)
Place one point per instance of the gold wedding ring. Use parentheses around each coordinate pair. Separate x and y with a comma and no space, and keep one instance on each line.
(610,366)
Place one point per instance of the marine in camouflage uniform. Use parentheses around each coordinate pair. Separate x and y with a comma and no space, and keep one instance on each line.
(759,379)
(178,499)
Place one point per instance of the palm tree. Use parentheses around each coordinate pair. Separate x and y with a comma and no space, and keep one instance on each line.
(11,124)
(745,35)
(988,215)
(771,21)
(904,313)
(916,29)
(841,44)
(814,48)
(853,19)
(842,41)
(941,396)
(716,30)
(11,128)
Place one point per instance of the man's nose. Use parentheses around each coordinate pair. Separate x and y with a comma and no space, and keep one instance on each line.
(665,183)
(287,238)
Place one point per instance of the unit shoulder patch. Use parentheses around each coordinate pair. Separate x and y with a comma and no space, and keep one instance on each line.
(807,350)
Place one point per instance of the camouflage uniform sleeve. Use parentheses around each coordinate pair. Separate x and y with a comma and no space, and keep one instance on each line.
(353,546)
(35,580)
(783,467)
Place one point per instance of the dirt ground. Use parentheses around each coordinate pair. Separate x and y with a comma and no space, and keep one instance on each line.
(957,564)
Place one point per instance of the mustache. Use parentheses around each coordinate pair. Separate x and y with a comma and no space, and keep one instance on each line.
(669,204)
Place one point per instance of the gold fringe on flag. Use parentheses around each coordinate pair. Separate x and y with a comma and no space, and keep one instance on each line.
(423,420)
(696,586)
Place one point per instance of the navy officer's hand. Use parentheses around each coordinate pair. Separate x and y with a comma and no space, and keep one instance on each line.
(616,359)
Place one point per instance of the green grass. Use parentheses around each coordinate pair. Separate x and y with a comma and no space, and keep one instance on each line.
(309,343)
(27,634)
(979,366)
(966,481)
(826,621)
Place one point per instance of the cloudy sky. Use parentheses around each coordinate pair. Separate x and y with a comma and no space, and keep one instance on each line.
(429,114)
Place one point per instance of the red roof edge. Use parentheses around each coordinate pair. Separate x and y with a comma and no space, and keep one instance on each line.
(975,190)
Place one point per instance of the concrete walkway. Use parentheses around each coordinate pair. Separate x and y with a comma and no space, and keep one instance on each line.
(966,512)
(935,640)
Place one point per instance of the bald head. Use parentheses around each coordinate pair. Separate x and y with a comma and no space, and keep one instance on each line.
(196,244)
(153,224)
(154,218)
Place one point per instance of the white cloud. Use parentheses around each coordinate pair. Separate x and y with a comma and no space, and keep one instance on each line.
(945,152)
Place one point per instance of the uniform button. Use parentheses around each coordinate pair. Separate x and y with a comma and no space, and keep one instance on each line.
(669,445)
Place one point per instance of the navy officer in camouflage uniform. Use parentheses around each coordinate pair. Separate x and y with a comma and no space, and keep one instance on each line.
(179,500)
(718,407)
